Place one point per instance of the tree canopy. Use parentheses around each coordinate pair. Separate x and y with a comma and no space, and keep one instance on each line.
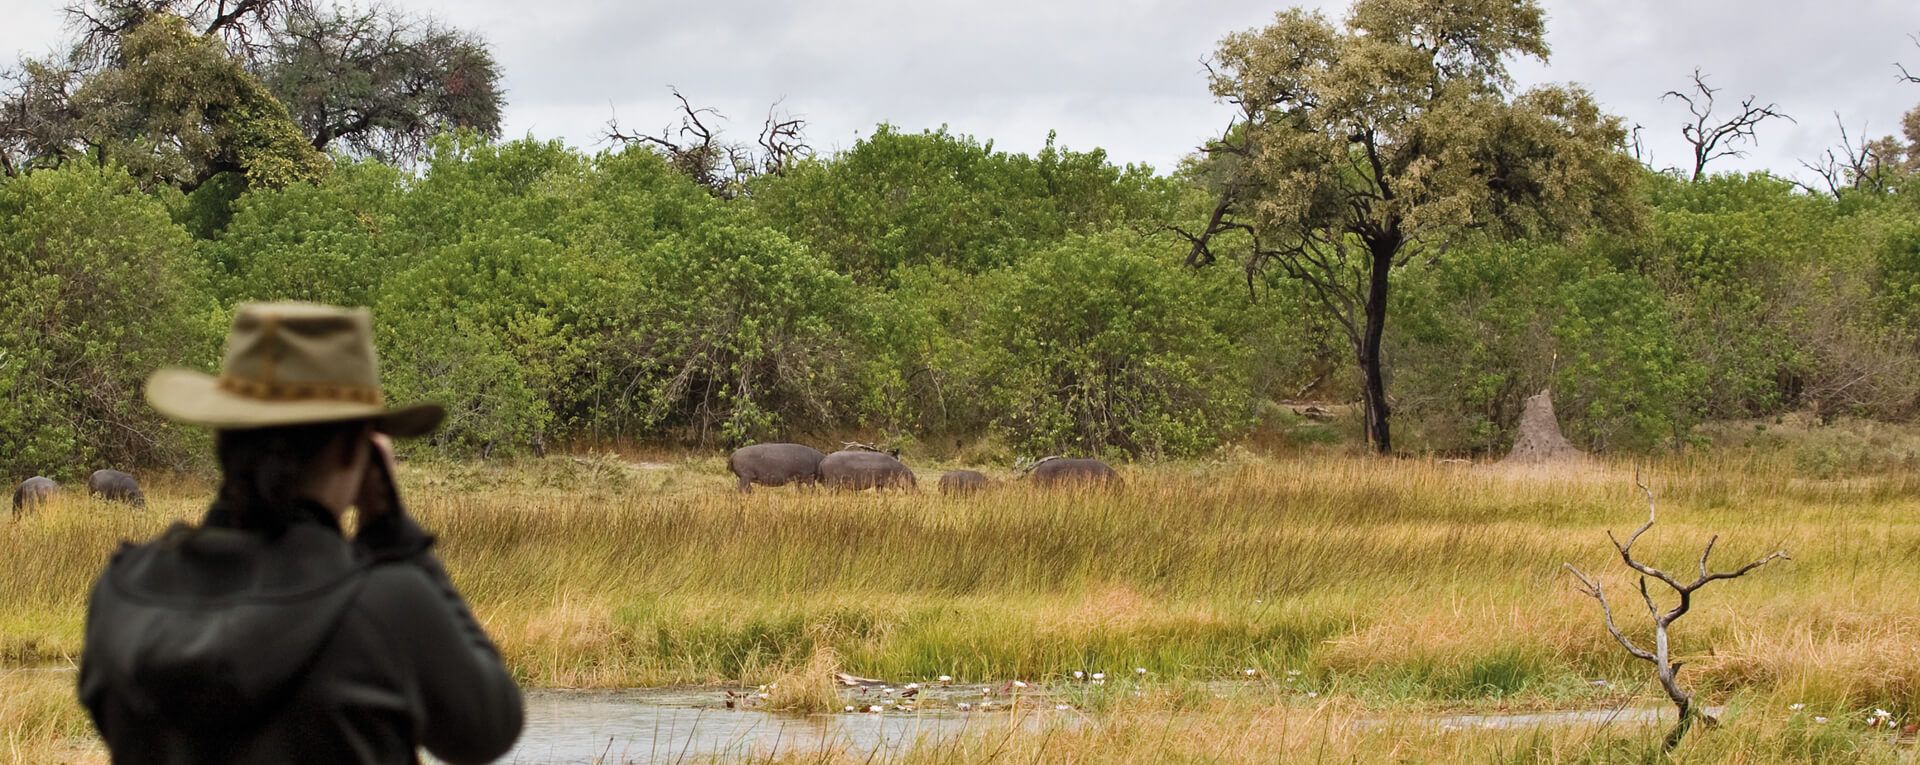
(1363,146)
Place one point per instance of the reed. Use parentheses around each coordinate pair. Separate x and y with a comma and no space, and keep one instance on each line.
(1392,585)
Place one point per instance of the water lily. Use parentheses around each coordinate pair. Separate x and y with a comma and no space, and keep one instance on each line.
(1796,707)
(1099,676)
(1882,714)
(1077,674)
(946,678)
(849,708)
(874,709)
(1250,672)
(963,706)
(1061,707)
(1293,673)
(1820,720)
(1139,670)
(1313,694)
(913,686)
(1019,684)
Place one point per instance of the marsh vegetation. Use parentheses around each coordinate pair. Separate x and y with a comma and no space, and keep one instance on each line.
(1327,588)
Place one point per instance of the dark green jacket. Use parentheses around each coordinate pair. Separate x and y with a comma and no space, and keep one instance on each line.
(220,645)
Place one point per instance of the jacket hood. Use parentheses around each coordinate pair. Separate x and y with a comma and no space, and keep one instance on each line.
(211,627)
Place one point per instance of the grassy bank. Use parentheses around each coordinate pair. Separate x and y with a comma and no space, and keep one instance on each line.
(1401,586)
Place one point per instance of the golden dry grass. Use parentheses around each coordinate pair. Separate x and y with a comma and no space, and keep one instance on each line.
(1396,587)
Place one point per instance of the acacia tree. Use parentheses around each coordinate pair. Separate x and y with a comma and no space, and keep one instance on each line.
(1360,148)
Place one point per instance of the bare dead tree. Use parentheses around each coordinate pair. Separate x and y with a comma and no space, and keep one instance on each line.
(692,147)
(1665,668)
(1713,138)
(782,141)
(699,152)
(1862,167)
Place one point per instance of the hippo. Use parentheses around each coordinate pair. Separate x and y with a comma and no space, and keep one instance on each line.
(115,486)
(964,482)
(775,465)
(858,469)
(34,492)
(1062,471)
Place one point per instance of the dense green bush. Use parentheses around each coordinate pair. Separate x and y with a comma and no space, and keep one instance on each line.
(98,287)
(331,242)
(925,287)
(1105,345)
(1495,323)
(933,198)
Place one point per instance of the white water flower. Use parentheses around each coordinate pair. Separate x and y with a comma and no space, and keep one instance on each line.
(875,709)
(849,708)
(1077,674)
(1019,684)
(1099,676)
(1293,673)
(1796,707)
(1139,670)
(913,686)
(1820,720)
(1250,672)
(946,678)
(963,706)
(1882,714)
(1313,694)
(1061,707)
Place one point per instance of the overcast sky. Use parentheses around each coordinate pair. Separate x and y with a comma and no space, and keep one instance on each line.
(1119,74)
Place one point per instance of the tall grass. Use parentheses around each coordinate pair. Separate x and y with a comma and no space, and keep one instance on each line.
(1397,584)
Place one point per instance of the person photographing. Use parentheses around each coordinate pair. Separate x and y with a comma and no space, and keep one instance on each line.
(264,634)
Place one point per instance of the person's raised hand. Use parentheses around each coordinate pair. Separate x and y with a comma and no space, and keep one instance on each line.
(379,494)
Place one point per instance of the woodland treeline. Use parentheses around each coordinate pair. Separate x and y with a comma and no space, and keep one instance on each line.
(1391,223)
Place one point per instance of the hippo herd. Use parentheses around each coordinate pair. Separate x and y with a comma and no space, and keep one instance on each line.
(109,485)
(862,466)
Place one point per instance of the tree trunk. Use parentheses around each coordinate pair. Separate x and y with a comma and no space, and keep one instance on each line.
(1374,395)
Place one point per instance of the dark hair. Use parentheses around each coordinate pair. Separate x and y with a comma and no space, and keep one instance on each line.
(264,469)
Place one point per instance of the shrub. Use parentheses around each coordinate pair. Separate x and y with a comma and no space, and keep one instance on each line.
(1099,345)
(98,291)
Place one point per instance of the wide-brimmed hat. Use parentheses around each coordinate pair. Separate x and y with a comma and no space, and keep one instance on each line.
(290,364)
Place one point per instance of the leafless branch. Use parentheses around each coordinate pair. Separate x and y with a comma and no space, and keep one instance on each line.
(1665,668)
(1904,74)
(1863,166)
(1713,138)
(697,150)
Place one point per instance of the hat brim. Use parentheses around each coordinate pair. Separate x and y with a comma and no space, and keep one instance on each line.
(196,398)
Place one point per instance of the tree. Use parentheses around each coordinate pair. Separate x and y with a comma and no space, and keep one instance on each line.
(377,82)
(1866,166)
(1357,151)
(178,111)
(1712,138)
(370,81)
